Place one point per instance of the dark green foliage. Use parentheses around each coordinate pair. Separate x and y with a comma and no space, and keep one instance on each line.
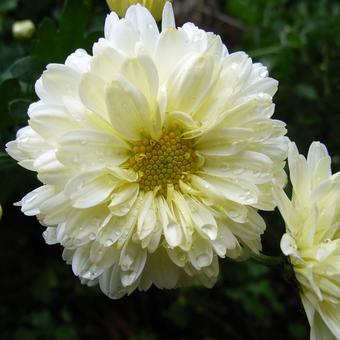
(41,298)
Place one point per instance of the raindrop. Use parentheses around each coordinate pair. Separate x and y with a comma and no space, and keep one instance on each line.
(77,241)
(108,242)
(210,230)
(90,275)
(238,171)
(234,214)
(92,236)
(263,73)
(203,260)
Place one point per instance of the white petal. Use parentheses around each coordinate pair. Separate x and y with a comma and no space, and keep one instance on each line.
(117,229)
(81,226)
(166,56)
(168,17)
(161,270)
(178,256)
(132,262)
(89,189)
(142,73)
(59,81)
(189,84)
(171,229)
(241,192)
(110,22)
(128,109)
(299,174)
(284,205)
(55,209)
(223,142)
(110,283)
(123,36)
(288,245)
(107,63)
(319,162)
(92,94)
(51,121)
(145,24)
(204,221)
(91,149)
(224,241)
(79,61)
(201,254)
(31,203)
(80,261)
(123,198)
(50,235)
(147,216)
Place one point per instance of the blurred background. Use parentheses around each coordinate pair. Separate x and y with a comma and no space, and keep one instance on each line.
(40,298)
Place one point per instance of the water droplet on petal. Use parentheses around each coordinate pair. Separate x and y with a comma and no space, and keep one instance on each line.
(203,260)
(263,73)
(77,241)
(108,242)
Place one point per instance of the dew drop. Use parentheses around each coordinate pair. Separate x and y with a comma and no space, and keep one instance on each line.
(203,260)
(263,73)
(77,241)
(108,242)
(92,236)
(238,171)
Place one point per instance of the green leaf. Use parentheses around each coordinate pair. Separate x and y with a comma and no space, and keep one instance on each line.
(18,110)
(8,5)
(55,44)
(45,45)
(306,91)
(27,68)
(9,90)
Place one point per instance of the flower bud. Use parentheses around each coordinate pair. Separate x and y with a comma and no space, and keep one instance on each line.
(154,6)
(23,29)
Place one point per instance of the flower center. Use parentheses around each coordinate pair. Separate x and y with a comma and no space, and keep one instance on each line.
(162,162)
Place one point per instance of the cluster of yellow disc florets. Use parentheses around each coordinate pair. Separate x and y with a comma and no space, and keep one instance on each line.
(162,162)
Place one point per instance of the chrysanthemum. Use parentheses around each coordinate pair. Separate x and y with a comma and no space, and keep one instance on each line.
(312,239)
(154,6)
(154,153)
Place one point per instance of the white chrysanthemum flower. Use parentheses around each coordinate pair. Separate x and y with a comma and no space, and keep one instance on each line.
(312,241)
(155,154)
(154,6)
